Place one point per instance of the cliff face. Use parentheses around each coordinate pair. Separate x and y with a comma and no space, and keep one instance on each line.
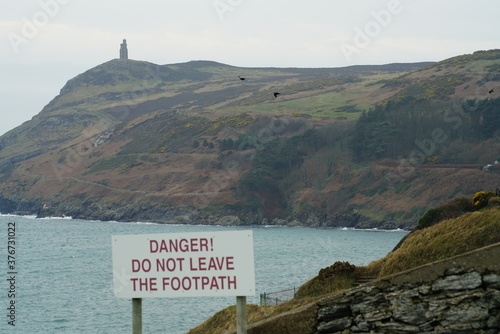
(131,140)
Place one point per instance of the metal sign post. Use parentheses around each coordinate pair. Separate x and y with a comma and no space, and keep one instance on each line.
(137,316)
(241,315)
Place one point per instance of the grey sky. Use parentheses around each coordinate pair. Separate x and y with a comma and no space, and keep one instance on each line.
(44,43)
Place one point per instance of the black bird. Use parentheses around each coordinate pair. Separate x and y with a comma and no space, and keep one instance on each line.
(491,91)
(276,94)
(241,78)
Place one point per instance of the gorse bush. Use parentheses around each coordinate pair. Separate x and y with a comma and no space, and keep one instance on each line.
(480,199)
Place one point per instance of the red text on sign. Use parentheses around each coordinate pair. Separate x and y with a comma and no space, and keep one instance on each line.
(144,284)
(181,245)
(212,263)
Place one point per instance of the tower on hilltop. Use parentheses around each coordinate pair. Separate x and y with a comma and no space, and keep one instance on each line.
(123,50)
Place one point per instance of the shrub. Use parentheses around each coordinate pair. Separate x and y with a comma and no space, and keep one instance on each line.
(338,268)
(494,202)
(338,276)
(429,218)
(456,207)
(449,210)
(480,199)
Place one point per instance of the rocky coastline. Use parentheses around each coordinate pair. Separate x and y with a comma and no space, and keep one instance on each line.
(129,213)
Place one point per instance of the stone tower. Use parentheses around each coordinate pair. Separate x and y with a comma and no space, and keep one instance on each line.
(123,50)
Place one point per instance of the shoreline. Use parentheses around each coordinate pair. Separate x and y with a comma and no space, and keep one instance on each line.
(340,228)
(189,216)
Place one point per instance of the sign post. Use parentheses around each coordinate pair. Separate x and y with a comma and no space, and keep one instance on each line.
(136,316)
(241,315)
(173,265)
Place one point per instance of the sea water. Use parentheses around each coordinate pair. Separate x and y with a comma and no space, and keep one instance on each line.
(63,272)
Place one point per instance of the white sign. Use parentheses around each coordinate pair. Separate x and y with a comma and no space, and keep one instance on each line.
(183,264)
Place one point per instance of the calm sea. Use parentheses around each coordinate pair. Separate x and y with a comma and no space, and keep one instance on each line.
(63,272)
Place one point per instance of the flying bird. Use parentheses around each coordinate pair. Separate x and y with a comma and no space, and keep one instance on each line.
(241,78)
(491,91)
(276,94)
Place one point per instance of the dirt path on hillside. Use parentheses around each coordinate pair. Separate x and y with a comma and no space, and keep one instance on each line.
(460,166)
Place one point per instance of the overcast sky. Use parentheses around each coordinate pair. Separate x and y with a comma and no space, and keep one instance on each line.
(44,43)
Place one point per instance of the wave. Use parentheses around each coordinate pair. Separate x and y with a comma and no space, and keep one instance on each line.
(372,229)
(57,218)
(35,216)
(135,223)
(12,215)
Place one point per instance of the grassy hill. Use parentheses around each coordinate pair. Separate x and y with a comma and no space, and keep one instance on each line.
(449,238)
(442,240)
(191,142)
(116,92)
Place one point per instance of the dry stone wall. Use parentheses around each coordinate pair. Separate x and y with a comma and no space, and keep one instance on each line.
(459,295)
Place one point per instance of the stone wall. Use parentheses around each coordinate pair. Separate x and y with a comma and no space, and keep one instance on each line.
(457,295)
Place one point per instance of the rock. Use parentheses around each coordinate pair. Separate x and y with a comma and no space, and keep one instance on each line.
(491,299)
(413,313)
(458,282)
(103,138)
(492,280)
(229,221)
(377,314)
(362,326)
(332,312)
(395,327)
(335,325)
(436,307)
(493,322)
(424,289)
(372,307)
(454,271)
(279,222)
(466,314)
